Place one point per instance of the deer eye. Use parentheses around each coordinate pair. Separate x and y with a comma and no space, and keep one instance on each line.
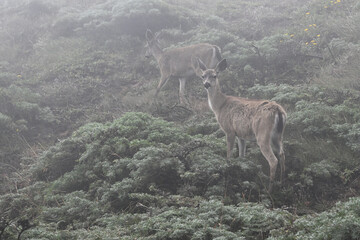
(203,76)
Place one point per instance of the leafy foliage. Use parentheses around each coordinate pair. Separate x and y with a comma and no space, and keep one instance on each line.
(83,157)
(341,222)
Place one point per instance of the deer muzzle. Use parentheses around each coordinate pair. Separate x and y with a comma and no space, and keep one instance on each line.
(207,85)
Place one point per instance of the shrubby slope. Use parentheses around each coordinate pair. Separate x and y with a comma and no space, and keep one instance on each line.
(85,152)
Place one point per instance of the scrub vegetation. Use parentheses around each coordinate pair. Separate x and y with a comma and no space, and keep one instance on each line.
(86,152)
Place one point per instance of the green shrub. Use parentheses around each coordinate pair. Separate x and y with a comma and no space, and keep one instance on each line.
(341,222)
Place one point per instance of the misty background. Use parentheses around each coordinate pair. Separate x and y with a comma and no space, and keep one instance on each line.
(87,153)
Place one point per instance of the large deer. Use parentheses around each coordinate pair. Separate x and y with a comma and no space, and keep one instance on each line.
(245,119)
(176,62)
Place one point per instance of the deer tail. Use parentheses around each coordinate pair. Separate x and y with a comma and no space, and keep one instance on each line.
(280,120)
(278,129)
(217,52)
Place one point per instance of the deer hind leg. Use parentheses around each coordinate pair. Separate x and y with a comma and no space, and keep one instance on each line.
(268,153)
(230,139)
(182,82)
(282,163)
(242,147)
(278,148)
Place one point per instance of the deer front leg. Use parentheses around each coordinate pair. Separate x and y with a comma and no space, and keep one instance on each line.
(182,90)
(230,139)
(242,147)
(163,80)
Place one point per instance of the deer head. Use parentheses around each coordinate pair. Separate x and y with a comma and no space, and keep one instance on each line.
(152,43)
(209,76)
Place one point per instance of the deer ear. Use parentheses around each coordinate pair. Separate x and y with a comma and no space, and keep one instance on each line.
(221,66)
(202,65)
(149,35)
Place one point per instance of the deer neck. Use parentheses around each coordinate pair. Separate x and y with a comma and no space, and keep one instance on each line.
(216,98)
(157,52)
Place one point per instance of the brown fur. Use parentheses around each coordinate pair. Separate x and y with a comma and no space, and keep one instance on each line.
(176,62)
(246,119)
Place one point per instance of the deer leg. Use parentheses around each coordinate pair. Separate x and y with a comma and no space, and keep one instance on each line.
(162,82)
(282,163)
(268,153)
(182,89)
(242,147)
(278,148)
(230,139)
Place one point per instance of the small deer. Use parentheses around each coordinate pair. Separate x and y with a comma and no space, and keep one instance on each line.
(245,119)
(176,62)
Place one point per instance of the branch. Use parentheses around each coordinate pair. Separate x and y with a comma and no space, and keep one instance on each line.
(3,225)
(257,50)
(183,151)
(309,56)
(331,53)
(24,225)
(176,105)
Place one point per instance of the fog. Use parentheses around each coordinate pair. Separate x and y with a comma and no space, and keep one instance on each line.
(106,131)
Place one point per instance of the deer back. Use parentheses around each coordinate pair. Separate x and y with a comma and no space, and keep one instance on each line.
(177,61)
(246,118)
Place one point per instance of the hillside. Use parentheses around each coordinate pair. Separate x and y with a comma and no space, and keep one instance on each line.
(87,152)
